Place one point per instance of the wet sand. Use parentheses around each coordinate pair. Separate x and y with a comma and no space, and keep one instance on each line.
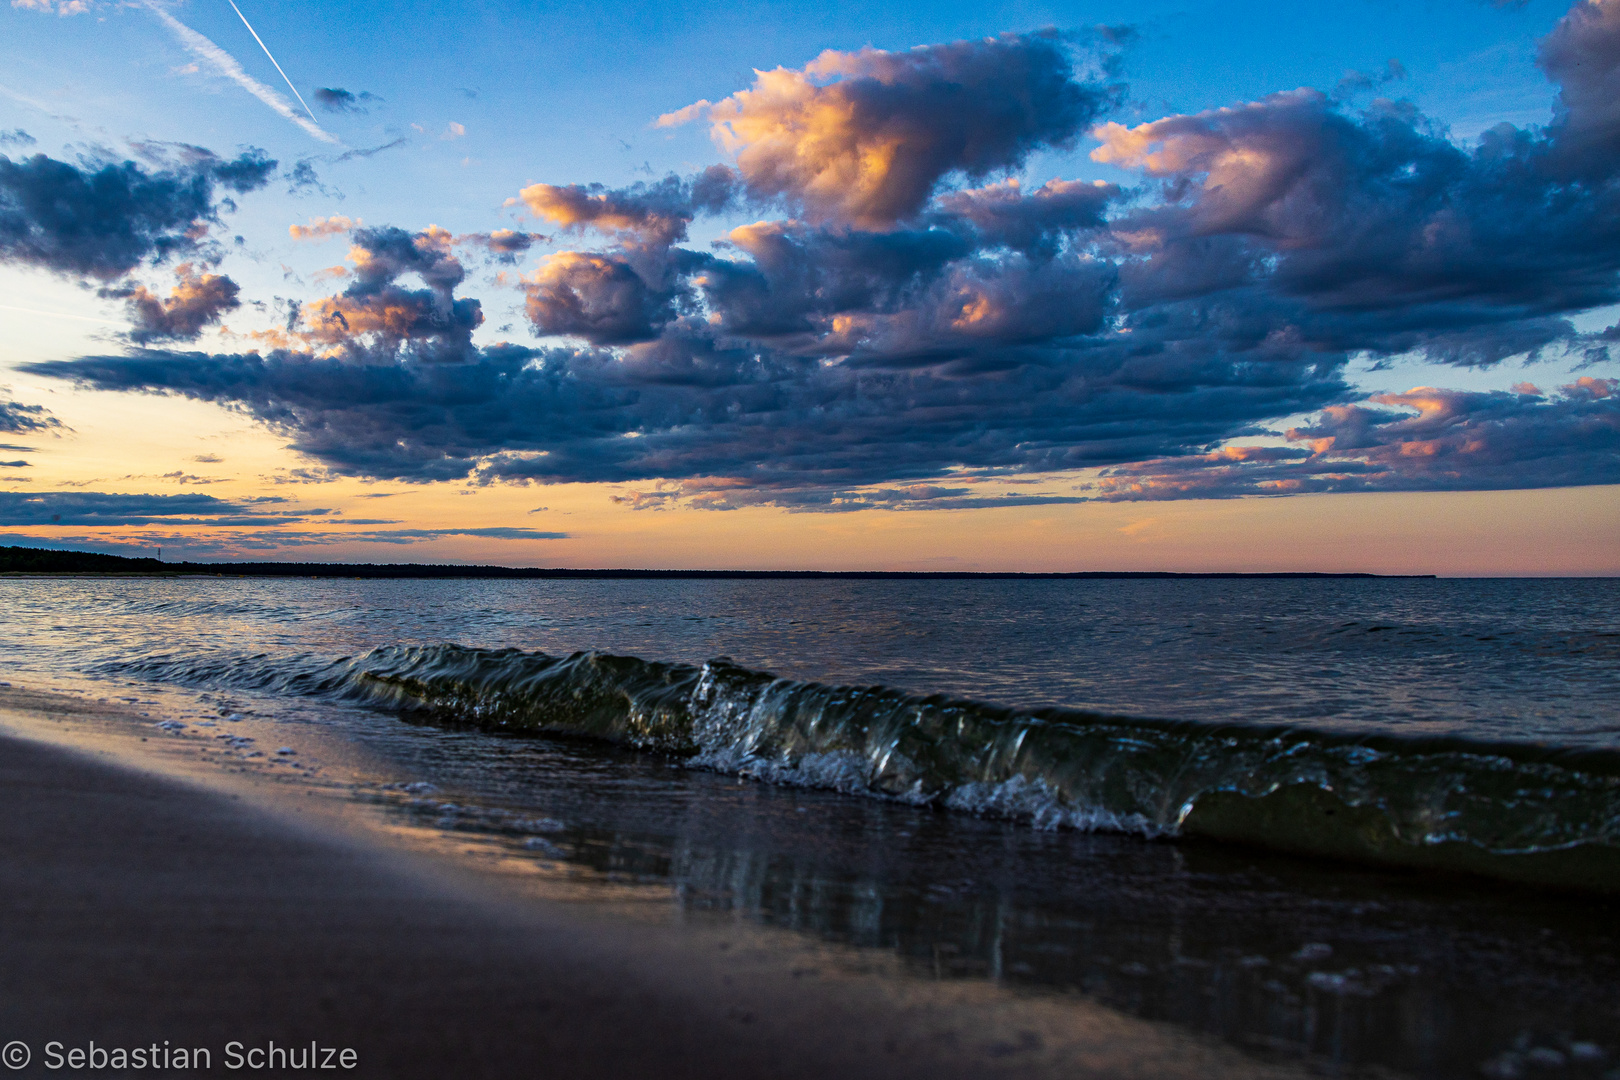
(146,899)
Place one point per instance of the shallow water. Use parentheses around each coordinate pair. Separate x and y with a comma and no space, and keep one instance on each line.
(1491,659)
(1425,973)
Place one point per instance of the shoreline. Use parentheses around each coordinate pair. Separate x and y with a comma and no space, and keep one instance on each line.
(151,895)
(51,562)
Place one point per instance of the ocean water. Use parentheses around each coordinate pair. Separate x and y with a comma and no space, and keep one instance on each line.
(1371,823)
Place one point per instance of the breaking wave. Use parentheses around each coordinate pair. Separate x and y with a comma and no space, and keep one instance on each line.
(1518,811)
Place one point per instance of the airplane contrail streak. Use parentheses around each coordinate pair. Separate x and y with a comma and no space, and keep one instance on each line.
(226,65)
(266,49)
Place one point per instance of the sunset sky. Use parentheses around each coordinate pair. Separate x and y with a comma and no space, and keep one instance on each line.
(997,286)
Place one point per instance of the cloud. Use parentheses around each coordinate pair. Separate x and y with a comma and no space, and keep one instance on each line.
(198,300)
(1582,55)
(303,178)
(912,338)
(414,536)
(226,64)
(1004,215)
(1356,82)
(863,138)
(833,500)
(503,245)
(323,228)
(1375,231)
(101,219)
(371,151)
(684,408)
(16,137)
(19,419)
(101,508)
(239,542)
(337,100)
(644,213)
(184,478)
(375,315)
(596,297)
(63,8)
(1426,440)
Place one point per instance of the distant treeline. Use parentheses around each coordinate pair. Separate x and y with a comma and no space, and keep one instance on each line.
(24,560)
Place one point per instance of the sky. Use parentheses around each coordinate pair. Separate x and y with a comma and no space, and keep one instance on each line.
(1236,286)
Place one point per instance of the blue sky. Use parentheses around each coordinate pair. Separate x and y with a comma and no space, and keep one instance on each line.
(561,90)
(456,110)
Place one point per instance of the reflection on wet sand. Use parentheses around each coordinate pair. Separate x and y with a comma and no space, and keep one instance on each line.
(1288,959)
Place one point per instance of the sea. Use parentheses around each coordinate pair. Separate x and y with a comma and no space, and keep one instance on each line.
(1367,824)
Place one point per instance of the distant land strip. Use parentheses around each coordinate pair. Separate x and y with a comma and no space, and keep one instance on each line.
(25,560)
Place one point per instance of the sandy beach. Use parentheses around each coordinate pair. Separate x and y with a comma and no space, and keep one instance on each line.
(154,900)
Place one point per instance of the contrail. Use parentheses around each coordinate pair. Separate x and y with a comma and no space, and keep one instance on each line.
(227,66)
(266,49)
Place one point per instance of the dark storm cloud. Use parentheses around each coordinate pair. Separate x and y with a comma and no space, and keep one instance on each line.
(907,344)
(103,219)
(99,508)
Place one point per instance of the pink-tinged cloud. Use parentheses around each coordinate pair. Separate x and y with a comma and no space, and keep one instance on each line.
(864,138)
(648,215)
(596,297)
(324,228)
(853,345)
(577,207)
(377,317)
(1451,440)
(1367,223)
(198,300)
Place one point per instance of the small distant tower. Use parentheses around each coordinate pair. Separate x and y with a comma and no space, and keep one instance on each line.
(160,553)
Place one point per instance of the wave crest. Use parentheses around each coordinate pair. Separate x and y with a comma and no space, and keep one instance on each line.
(1517,811)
